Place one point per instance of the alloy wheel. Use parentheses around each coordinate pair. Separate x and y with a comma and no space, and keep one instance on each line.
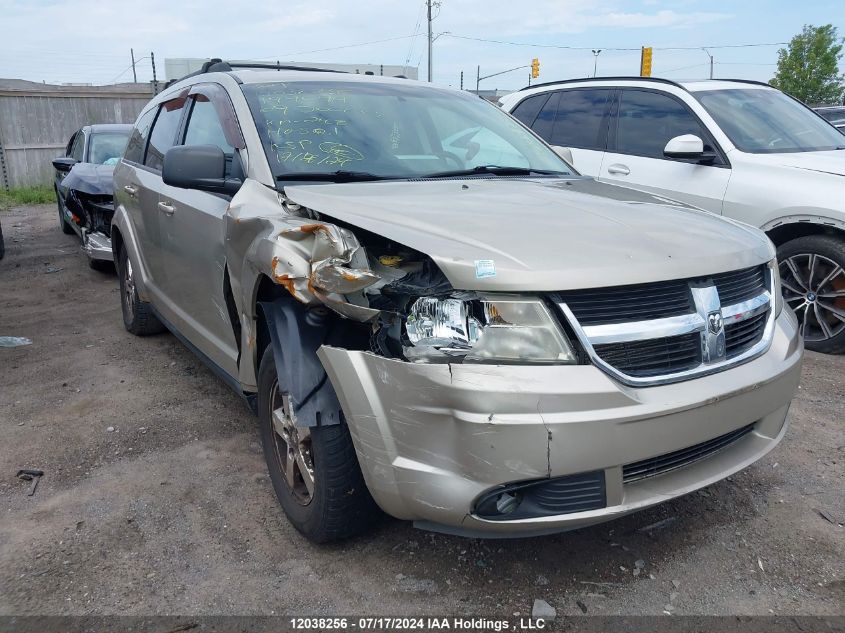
(293,447)
(129,289)
(814,286)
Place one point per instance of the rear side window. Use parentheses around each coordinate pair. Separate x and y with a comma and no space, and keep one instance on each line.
(580,114)
(528,110)
(648,120)
(138,139)
(163,135)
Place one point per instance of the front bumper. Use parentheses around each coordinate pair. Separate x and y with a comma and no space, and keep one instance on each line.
(432,438)
(97,246)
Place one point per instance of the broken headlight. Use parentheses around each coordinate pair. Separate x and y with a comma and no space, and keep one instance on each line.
(489,330)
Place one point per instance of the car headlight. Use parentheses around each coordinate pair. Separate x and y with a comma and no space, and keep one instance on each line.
(490,330)
(777,291)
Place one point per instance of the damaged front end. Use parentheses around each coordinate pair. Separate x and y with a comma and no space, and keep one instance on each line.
(409,307)
(89,202)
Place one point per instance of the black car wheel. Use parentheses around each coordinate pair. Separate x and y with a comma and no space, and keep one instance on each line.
(314,470)
(138,316)
(812,271)
(67,229)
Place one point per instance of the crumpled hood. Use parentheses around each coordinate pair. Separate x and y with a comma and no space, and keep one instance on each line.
(90,178)
(832,162)
(541,234)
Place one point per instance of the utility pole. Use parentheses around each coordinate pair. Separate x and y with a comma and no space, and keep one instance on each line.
(428,6)
(462,80)
(711,61)
(134,74)
(596,61)
(477,77)
(155,81)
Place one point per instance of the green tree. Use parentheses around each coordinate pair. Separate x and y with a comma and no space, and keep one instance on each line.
(808,69)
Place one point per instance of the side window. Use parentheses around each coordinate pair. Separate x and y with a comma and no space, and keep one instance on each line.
(578,123)
(70,143)
(648,120)
(78,147)
(138,139)
(528,110)
(545,121)
(204,127)
(163,135)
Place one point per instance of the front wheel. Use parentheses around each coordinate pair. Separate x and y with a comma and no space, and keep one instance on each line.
(314,470)
(812,271)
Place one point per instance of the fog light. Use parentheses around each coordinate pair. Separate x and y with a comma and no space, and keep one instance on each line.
(507,503)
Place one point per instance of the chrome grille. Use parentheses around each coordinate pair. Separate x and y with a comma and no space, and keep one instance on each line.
(678,459)
(742,335)
(653,357)
(629,303)
(664,332)
(740,285)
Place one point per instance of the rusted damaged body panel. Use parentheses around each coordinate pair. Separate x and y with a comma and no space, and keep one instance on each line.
(317,263)
(432,438)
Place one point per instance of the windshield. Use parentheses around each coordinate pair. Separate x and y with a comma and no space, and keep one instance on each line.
(107,147)
(377,130)
(768,122)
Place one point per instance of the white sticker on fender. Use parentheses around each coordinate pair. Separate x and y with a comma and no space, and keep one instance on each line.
(485,268)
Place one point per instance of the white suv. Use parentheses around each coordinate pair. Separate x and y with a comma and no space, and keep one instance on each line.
(737,148)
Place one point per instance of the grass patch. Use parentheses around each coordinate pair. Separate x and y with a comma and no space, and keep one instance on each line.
(40,194)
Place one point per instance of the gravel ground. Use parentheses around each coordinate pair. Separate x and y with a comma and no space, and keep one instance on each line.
(155,497)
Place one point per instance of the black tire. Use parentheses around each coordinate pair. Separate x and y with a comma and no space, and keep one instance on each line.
(340,505)
(817,291)
(138,316)
(67,229)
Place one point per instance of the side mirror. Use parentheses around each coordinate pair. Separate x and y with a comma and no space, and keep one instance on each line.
(688,147)
(565,153)
(200,167)
(64,163)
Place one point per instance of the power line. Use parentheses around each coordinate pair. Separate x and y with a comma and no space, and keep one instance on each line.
(606,48)
(337,48)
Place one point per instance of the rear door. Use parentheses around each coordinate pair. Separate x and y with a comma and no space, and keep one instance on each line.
(576,119)
(644,121)
(193,233)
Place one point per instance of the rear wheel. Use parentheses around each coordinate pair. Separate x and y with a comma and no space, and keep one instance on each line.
(314,470)
(812,271)
(67,229)
(138,316)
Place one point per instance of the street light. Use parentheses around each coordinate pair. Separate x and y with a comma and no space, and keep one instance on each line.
(595,60)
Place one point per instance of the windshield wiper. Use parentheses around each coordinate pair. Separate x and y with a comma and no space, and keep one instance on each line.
(340,175)
(497,170)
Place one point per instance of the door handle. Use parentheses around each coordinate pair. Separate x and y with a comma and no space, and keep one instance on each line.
(130,190)
(619,169)
(167,208)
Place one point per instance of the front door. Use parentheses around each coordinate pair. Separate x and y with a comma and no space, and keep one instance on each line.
(645,121)
(193,236)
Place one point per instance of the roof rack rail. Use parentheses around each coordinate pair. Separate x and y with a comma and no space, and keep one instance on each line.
(217,65)
(620,78)
(745,81)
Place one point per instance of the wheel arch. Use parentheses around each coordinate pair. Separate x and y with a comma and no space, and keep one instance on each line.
(785,229)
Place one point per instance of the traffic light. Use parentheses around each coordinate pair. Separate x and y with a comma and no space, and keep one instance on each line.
(645,62)
(535,68)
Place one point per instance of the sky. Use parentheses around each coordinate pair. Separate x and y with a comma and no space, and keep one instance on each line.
(89,41)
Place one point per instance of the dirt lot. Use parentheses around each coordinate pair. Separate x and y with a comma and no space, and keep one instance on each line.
(155,497)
